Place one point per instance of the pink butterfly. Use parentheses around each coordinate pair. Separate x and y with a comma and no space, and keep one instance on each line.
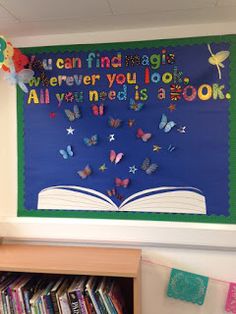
(98,110)
(124,183)
(114,157)
(144,136)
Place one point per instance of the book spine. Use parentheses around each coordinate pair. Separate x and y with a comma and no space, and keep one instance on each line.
(100,303)
(17,301)
(92,297)
(26,298)
(64,304)
(4,302)
(54,302)
(11,301)
(82,303)
(48,304)
(110,304)
(21,300)
(74,302)
(89,304)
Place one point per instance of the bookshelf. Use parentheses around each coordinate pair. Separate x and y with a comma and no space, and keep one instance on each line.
(124,264)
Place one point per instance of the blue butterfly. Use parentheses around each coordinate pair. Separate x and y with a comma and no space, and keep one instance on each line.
(135,106)
(67,152)
(165,124)
(93,140)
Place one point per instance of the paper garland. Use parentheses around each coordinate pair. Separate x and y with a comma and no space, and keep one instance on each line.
(187,286)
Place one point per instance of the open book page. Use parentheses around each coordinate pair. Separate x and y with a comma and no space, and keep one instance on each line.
(163,200)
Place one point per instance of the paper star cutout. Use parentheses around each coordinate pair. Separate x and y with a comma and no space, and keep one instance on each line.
(70,131)
(103,167)
(172,107)
(133,169)
(182,129)
(156,148)
(111,137)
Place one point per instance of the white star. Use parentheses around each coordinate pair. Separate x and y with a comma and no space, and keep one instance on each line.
(111,137)
(70,131)
(133,169)
(182,129)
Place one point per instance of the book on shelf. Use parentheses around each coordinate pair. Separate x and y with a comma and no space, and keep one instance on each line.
(27,292)
(61,296)
(185,200)
(101,291)
(41,294)
(72,296)
(53,293)
(46,298)
(90,290)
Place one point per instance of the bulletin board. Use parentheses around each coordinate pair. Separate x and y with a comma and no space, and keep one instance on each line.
(136,130)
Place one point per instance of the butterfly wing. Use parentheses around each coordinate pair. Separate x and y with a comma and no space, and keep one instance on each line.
(85,172)
(70,115)
(151,169)
(146,137)
(118,158)
(95,110)
(221,56)
(77,113)
(114,123)
(94,139)
(69,151)
(25,76)
(163,121)
(139,133)
(118,181)
(63,153)
(101,110)
(125,183)
(146,164)
(23,87)
(112,155)
(169,126)
(87,141)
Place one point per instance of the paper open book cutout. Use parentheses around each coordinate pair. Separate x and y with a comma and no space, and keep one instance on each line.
(185,200)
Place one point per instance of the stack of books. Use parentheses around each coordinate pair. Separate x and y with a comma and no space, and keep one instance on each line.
(49,294)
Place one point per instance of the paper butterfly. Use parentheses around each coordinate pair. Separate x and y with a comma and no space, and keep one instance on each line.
(93,140)
(135,106)
(98,110)
(21,78)
(66,153)
(114,123)
(148,167)
(72,115)
(84,173)
(131,122)
(144,136)
(165,124)
(115,157)
(113,192)
(124,183)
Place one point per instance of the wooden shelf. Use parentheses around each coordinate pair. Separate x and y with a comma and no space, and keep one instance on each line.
(95,261)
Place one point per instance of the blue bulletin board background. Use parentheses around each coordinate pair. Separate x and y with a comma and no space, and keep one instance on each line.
(193,150)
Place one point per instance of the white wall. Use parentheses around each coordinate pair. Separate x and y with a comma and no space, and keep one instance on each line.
(175,244)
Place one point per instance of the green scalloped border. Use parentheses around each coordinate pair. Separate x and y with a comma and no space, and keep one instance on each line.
(231,219)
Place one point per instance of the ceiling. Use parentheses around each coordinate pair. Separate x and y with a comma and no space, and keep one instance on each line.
(40,17)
